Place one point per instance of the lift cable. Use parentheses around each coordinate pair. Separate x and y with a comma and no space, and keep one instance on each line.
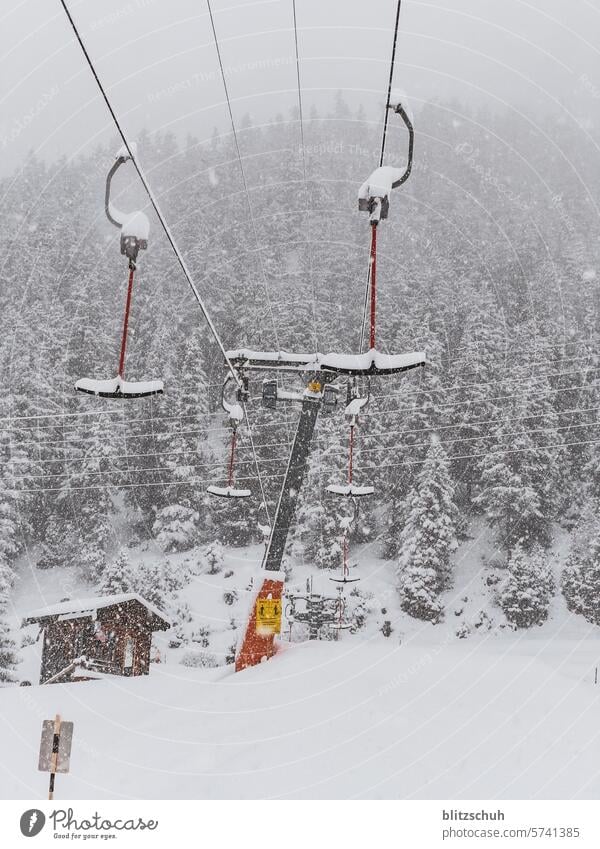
(263,445)
(151,197)
(242,170)
(404,464)
(255,231)
(390,82)
(304,171)
(300,110)
(381,155)
(382,446)
(572,387)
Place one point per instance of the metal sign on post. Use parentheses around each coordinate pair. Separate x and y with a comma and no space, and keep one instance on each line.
(55,749)
(268,615)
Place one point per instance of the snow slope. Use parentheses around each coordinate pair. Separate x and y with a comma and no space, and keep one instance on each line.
(486,718)
(419,714)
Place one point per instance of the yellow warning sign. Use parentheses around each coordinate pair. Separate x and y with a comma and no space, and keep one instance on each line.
(268,616)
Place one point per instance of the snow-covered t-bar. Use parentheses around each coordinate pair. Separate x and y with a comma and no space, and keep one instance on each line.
(371,362)
(119,388)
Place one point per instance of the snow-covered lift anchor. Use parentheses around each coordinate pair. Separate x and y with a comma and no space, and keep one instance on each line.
(345,578)
(134,229)
(235,412)
(354,406)
(374,198)
(345,570)
(374,194)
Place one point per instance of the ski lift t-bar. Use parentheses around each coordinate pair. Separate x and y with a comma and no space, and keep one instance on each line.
(152,199)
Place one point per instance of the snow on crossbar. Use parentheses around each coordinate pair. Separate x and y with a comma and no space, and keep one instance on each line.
(350,490)
(372,362)
(228,492)
(118,388)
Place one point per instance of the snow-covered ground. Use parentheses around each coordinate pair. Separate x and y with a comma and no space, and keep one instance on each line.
(487,719)
(421,713)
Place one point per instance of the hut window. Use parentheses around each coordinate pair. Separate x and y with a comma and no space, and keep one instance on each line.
(129,646)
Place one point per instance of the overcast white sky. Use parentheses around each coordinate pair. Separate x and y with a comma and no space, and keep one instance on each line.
(158,61)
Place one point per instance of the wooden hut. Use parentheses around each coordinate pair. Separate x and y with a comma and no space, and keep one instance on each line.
(110,634)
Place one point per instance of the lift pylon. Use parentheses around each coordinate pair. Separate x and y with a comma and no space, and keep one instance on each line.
(320,371)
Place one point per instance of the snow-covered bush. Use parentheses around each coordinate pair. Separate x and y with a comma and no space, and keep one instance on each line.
(357,608)
(463,631)
(528,588)
(230,597)
(175,575)
(386,628)
(181,617)
(199,659)
(214,557)
(201,635)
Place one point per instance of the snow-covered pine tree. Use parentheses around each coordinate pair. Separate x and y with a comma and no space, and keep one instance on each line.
(151,580)
(9,526)
(475,368)
(8,653)
(175,527)
(182,517)
(580,581)
(88,494)
(528,588)
(507,500)
(591,472)
(321,516)
(406,426)
(428,538)
(117,576)
(419,588)
(515,494)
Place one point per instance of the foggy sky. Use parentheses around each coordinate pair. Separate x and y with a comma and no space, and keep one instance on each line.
(158,62)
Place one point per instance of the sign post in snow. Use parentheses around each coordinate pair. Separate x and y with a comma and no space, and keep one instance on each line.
(55,748)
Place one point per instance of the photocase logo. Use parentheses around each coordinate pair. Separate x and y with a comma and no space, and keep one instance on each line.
(32,822)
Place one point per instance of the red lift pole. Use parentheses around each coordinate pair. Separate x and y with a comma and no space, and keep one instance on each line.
(232,458)
(373,283)
(121,371)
